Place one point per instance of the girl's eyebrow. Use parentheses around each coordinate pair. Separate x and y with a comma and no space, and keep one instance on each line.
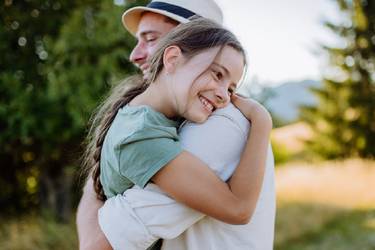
(223,68)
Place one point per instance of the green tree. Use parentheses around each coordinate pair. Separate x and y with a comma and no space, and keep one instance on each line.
(24,26)
(57,61)
(344,119)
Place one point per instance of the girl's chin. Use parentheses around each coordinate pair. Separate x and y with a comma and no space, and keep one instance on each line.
(201,121)
(198,119)
(197,114)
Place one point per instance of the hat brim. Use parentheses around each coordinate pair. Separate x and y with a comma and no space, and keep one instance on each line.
(131,17)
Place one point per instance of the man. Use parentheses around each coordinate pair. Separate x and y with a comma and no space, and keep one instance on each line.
(223,135)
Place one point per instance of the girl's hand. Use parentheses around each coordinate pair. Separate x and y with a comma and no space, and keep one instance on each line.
(252,110)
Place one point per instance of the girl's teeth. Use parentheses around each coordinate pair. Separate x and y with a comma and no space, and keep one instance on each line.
(206,103)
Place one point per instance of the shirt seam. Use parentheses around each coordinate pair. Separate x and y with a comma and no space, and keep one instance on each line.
(234,121)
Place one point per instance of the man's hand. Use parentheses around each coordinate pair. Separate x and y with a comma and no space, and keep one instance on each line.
(90,235)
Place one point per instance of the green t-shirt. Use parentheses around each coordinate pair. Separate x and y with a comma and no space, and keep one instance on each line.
(138,144)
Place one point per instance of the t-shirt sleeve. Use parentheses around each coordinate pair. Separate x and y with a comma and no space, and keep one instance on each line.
(144,153)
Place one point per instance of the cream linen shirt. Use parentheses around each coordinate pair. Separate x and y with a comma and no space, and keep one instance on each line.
(139,217)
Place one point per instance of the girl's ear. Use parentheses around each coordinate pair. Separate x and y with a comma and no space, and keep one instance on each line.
(171,57)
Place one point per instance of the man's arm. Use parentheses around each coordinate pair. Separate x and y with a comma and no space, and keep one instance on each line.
(89,233)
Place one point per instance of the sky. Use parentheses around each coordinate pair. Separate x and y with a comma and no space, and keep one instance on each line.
(281,37)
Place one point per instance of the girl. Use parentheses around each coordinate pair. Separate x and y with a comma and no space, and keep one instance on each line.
(195,71)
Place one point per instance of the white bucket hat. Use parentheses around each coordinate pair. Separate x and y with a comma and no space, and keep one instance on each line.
(179,10)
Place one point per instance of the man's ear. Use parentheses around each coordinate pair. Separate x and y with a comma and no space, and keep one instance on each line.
(171,57)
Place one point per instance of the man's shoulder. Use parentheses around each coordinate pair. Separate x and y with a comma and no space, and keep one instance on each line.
(223,121)
(230,110)
(232,114)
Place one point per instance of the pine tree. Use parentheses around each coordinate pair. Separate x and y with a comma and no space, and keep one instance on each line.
(344,118)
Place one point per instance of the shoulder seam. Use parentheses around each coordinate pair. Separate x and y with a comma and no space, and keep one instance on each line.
(233,120)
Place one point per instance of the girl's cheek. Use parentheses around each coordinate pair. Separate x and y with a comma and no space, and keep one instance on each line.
(207,83)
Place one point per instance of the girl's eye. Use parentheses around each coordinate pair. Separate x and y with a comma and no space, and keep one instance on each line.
(218,75)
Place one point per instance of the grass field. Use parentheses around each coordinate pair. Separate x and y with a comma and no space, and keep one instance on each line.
(329,206)
(326,206)
(36,233)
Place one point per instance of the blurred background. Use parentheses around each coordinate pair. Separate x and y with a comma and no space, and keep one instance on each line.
(312,64)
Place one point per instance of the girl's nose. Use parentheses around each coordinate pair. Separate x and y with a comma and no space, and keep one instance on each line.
(222,97)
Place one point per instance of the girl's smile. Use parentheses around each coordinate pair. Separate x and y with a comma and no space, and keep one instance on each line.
(207,104)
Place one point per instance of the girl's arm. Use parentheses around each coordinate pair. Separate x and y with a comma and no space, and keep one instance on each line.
(224,135)
(188,180)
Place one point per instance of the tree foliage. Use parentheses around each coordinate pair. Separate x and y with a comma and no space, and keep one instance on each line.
(58,58)
(344,119)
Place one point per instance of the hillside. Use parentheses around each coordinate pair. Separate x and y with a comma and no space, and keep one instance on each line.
(291,137)
(284,100)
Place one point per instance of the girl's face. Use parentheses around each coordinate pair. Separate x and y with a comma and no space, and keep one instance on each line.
(206,81)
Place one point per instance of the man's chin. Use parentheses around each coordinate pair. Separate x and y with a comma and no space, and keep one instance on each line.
(146,74)
(144,68)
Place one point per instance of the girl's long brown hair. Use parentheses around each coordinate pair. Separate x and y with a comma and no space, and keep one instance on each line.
(192,37)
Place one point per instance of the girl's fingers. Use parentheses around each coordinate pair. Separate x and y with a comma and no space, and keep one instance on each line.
(242,96)
(236,98)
